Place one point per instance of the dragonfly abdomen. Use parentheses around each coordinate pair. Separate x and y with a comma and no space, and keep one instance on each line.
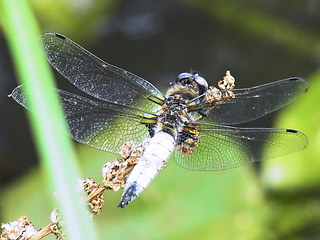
(150,163)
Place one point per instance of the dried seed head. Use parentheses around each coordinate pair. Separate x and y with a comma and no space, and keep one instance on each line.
(54,216)
(228,82)
(126,149)
(94,193)
(217,96)
(21,229)
(115,173)
(55,226)
(135,155)
(212,95)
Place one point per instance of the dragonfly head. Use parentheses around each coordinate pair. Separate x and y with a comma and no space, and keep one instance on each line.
(191,78)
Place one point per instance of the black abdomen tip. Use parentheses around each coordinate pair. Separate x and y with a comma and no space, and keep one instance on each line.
(128,195)
(122,204)
(124,201)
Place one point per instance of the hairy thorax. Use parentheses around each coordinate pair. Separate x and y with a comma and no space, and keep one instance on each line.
(174,112)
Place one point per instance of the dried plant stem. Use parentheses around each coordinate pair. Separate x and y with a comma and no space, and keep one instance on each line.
(114,176)
(96,192)
(50,228)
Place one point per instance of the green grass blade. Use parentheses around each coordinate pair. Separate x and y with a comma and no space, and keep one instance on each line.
(50,130)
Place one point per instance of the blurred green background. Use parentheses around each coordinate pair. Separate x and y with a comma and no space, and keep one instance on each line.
(259,41)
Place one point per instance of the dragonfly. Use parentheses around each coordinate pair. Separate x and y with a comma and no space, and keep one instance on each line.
(193,122)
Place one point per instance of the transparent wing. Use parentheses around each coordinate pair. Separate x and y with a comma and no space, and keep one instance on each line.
(222,147)
(96,77)
(106,126)
(255,102)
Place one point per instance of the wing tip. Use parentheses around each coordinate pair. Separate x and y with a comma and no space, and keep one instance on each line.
(16,92)
(51,34)
(294,79)
(302,137)
(292,130)
(301,80)
(60,36)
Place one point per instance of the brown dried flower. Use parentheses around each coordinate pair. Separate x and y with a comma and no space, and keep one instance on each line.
(94,193)
(115,173)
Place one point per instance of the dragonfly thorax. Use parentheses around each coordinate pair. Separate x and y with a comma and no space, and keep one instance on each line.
(174,112)
(172,115)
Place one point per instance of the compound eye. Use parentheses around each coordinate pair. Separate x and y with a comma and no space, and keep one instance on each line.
(185,76)
(201,81)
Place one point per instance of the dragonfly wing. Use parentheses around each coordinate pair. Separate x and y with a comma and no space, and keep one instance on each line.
(106,126)
(96,77)
(252,103)
(222,147)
